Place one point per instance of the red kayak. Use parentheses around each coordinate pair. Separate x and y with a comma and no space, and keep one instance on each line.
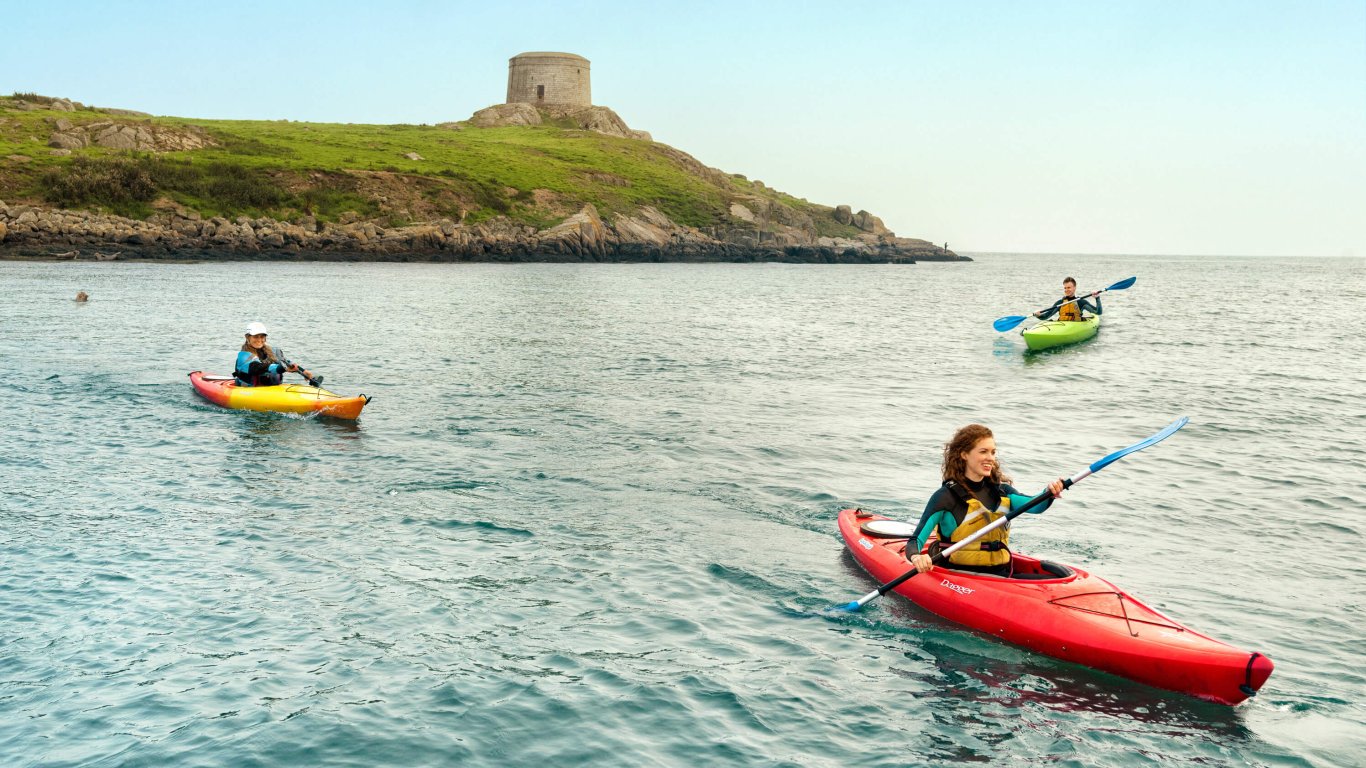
(1066,613)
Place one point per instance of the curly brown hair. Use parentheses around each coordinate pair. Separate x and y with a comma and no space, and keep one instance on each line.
(954,468)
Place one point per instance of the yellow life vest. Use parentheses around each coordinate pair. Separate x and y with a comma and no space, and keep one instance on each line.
(1069,312)
(991,549)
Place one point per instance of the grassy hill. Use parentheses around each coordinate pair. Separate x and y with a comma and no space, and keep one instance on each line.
(288,170)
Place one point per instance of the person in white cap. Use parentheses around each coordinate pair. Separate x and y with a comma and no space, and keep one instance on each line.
(258,365)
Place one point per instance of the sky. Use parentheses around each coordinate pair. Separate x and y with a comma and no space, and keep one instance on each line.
(1194,127)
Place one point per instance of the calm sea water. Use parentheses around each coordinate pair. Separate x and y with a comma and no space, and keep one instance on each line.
(589,518)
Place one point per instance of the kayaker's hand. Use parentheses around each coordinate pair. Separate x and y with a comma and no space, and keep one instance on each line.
(1056,487)
(922,563)
(292,368)
(1095,294)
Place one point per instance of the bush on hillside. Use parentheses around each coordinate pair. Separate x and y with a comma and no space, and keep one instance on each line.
(112,182)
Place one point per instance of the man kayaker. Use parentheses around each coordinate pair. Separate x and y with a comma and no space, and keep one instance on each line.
(1069,307)
(257,364)
(974,494)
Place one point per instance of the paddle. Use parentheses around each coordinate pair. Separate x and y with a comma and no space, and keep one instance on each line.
(1010,321)
(313,381)
(943,556)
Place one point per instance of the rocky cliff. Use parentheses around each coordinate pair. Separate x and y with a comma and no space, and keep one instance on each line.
(114,180)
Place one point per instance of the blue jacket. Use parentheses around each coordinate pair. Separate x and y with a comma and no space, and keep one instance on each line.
(251,371)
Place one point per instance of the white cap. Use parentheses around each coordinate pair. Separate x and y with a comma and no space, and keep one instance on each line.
(255,328)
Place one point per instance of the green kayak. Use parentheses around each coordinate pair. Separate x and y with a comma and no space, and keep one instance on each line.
(1056,333)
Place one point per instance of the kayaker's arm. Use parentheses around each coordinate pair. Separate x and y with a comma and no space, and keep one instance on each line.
(932,519)
(1086,306)
(254,366)
(1018,500)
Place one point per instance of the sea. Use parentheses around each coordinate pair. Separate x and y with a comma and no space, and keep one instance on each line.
(589,517)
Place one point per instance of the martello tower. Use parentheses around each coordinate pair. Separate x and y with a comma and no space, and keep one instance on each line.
(543,78)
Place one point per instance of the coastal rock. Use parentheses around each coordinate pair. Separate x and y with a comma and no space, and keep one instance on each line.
(645,234)
(66,141)
(844,215)
(582,234)
(500,115)
(643,230)
(413,156)
(4,230)
(138,137)
(870,223)
(597,119)
(741,212)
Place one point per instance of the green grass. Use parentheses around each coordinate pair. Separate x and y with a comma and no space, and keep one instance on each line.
(286,169)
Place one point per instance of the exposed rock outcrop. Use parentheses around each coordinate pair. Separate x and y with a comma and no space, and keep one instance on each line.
(142,137)
(506,114)
(643,235)
(598,119)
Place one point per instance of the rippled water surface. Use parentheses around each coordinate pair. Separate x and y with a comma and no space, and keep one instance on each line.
(589,518)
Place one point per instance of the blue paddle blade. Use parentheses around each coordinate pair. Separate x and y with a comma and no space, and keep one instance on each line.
(849,607)
(1166,432)
(1008,322)
(1122,284)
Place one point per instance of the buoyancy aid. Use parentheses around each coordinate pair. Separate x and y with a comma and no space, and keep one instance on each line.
(971,516)
(271,372)
(1070,311)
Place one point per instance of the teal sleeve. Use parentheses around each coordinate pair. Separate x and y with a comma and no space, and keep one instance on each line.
(1018,500)
(929,523)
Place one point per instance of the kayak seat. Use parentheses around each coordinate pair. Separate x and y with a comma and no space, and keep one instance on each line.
(1048,571)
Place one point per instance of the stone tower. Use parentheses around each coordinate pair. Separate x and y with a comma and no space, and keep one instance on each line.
(542,79)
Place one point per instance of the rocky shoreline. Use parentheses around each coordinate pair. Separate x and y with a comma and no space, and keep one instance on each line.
(38,232)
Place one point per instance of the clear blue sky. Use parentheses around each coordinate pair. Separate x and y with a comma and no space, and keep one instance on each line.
(1196,127)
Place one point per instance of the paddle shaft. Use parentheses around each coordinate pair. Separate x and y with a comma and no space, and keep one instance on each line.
(299,369)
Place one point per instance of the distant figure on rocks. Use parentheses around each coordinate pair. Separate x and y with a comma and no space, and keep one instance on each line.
(82,296)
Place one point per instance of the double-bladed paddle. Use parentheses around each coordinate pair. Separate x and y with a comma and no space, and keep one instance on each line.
(943,556)
(313,381)
(1010,321)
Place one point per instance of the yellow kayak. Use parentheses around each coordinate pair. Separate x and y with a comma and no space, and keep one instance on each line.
(281,398)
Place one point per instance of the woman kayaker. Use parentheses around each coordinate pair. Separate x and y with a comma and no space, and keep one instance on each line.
(974,493)
(258,365)
(1069,307)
